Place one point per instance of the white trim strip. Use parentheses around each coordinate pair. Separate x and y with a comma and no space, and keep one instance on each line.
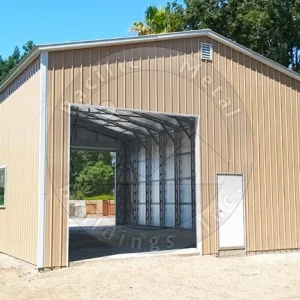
(68,188)
(42,158)
(198,187)
(126,40)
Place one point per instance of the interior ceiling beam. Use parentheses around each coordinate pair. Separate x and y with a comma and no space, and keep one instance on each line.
(93,118)
(127,118)
(112,123)
(97,126)
(186,120)
(106,133)
(157,120)
(141,142)
(100,129)
(115,123)
(184,128)
(153,137)
(111,133)
(183,122)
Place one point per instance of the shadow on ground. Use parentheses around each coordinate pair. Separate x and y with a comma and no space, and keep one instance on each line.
(88,242)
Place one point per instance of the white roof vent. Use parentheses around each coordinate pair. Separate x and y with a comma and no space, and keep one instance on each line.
(206,51)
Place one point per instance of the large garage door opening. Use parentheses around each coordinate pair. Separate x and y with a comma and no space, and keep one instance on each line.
(155,190)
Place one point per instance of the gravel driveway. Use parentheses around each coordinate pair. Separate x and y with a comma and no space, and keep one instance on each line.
(268,276)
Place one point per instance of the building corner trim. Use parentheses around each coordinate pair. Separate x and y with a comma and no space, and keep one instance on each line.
(42,158)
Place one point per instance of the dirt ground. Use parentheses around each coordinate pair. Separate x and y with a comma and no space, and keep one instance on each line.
(267,276)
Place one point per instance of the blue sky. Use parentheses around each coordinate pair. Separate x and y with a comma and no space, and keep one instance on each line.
(65,20)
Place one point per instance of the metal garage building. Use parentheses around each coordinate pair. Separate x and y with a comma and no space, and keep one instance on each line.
(206,133)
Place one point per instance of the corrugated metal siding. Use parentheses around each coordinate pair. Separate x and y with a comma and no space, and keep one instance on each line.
(256,134)
(19,149)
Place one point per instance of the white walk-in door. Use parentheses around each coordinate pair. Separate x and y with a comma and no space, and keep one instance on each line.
(231,211)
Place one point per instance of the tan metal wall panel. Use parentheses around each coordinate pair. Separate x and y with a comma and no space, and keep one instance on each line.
(19,151)
(57,164)
(158,76)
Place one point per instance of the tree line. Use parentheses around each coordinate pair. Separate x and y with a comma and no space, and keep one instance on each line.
(269,27)
(7,65)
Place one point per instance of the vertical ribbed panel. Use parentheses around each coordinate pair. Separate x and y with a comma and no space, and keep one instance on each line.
(257,134)
(19,151)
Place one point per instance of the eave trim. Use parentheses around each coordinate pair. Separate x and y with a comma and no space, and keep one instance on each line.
(20,68)
(144,39)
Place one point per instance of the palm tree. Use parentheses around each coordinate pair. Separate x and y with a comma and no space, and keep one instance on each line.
(155,21)
(140,28)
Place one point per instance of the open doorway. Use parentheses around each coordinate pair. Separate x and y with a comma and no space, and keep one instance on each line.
(92,199)
(154,184)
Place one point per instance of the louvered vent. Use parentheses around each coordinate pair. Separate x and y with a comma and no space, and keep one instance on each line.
(206,51)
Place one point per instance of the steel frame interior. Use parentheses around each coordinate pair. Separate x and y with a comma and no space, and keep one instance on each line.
(141,132)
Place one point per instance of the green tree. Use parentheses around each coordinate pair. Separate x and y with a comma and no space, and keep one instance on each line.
(154,21)
(269,27)
(175,17)
(79,160)
(159,20)
(95,180)
(207,14)
(1,196)
(6,65)
(27,48)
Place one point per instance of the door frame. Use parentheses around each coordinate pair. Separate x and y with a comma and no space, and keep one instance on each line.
(217,212)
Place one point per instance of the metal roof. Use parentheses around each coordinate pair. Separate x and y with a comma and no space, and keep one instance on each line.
(140,39)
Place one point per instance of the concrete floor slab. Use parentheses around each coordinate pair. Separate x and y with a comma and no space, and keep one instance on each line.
(93,238)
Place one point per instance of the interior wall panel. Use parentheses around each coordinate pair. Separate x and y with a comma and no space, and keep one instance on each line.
(151,195)
(256,133)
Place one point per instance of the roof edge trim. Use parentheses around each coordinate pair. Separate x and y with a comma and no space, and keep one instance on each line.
(253,54)
(20,68)
(143,39)
(124,40)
